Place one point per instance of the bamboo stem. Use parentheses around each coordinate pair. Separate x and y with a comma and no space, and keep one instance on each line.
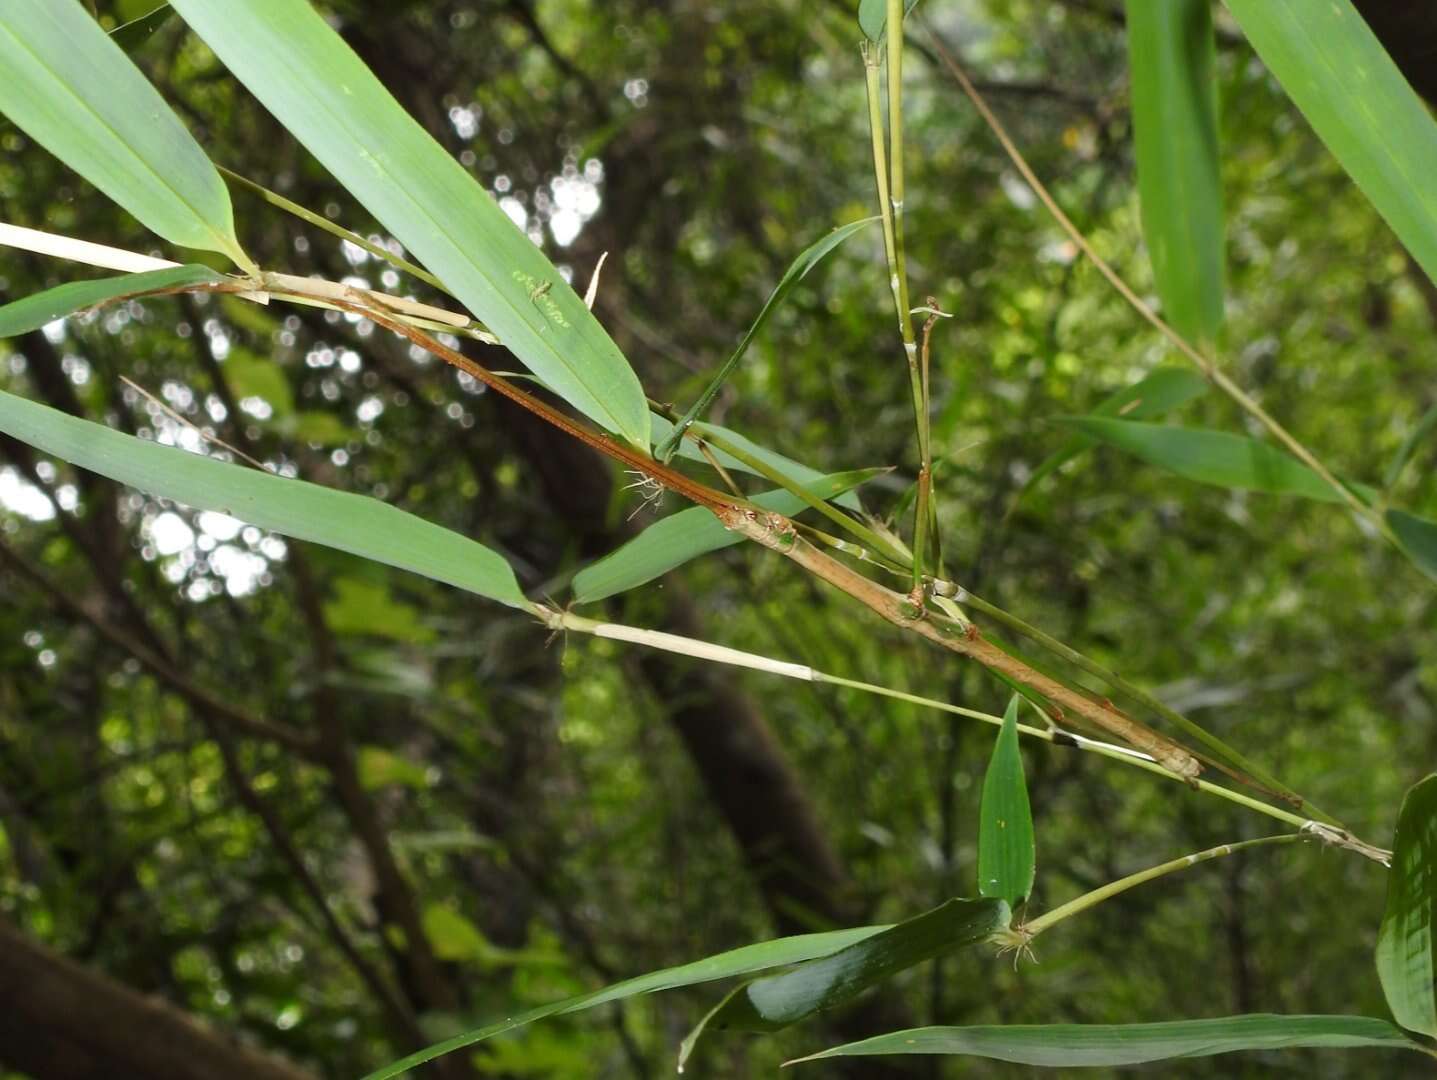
(774,531)
(888,173)
(319,221)
(1122,686)
(564,620)
(857,529)
(1082,903)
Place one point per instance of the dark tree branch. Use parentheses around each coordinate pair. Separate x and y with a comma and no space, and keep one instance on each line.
(161,668)
(62,1021)
(401,1017)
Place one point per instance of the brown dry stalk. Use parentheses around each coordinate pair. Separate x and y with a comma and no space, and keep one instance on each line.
(776,532)
(601,441)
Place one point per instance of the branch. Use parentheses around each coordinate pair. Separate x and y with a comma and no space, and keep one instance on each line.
(198,696)
(64,1021)
(401,1017)
(1203,363)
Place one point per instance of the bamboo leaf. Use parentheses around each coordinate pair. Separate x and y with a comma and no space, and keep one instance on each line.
(776,1001)
(379,768)
(316,86)
(1006,849)
(1210,457)
(1406,963)
(806,261)
(1156,393)
(76,93)
(1420,431)
(364,607)
(33,312)
(453,937)
(873,17)
(337,519)
(684,536)
(1077,1045)
(744,961)
(1418,538)
(251,375)
(316,428)
(1336,71)
(1170,54)
(794,470)
(1234,461)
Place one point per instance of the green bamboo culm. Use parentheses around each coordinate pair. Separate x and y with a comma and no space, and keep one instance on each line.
(888,174)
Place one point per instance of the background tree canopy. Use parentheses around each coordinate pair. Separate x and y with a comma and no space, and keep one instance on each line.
(298,814)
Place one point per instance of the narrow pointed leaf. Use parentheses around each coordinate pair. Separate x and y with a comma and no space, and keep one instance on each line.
(33,312)
(806,261)
(796,471)
(1420,431)
(1077,1045)
(744,961)
(776,1001)
(1170,55)
(1406,963)
(337,519)
(315,85)
(1006,849)
(76,93)
(1153,395)
(1210,457)
(1336,71)
(873,17)
(1418,538)
(684,536)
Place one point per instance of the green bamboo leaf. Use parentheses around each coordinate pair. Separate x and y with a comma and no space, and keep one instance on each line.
(684,536)
(801,474)
(453,937)
(1234,461)
(368,608)
(806,261)
(318,428)
(1170,54)
(252,375)
(873,17)
(379,768)
(1337,72)
(1006,849)
(1156,393)
(33,312)
(306,75)
(1210,457)
(1418,538)
(337,519)
(1076,1045)
(745,961)
(1420,431)
(775,1002)
(76,93)
(1406,963)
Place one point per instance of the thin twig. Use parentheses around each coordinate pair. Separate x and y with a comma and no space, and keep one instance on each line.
(178,418)
(255,727)
(1205,364)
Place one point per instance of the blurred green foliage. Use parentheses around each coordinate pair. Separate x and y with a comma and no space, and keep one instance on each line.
(554,830)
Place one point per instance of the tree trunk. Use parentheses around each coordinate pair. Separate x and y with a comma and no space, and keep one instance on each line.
(61,1021)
